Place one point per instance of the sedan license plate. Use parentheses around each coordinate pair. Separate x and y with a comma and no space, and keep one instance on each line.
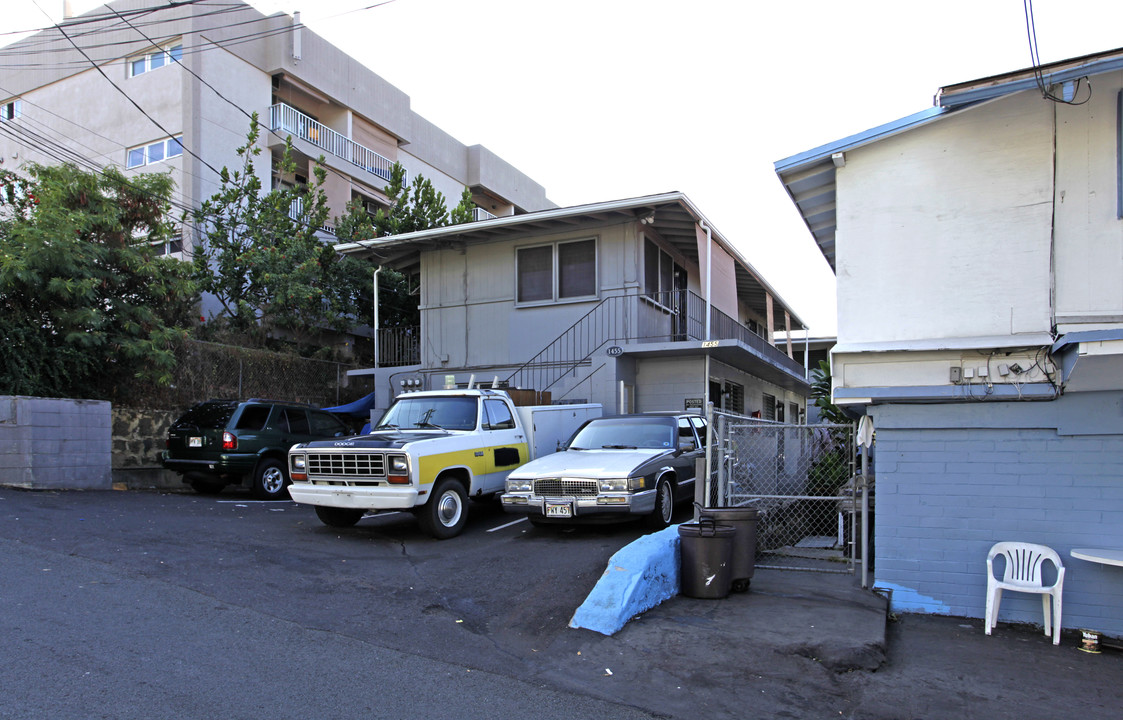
(559,510)
(194,442)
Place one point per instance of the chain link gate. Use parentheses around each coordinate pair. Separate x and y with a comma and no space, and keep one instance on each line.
(804,482)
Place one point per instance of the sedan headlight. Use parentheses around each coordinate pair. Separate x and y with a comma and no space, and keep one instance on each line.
(631,484)
(520,485)
(614,485)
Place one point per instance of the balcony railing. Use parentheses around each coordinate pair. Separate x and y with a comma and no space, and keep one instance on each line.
(480,214)
(399,346)
(676,316)
(287,119)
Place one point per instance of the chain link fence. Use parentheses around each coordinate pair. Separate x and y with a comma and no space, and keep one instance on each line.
(211,370)
(802,479)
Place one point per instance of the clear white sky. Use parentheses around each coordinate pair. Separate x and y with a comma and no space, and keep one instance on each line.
(607,99)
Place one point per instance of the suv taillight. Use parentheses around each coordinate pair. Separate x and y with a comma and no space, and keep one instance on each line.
(229,442)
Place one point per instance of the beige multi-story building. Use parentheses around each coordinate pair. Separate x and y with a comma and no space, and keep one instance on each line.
(171,89)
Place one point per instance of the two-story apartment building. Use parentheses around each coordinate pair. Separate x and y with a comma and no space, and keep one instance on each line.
(170,88)
(638,304)
(978,248)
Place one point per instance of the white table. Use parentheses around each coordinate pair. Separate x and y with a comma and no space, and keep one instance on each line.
(1106,556)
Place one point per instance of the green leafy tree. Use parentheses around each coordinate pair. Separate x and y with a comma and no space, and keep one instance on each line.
(417,206)
(87,304)
(262,258)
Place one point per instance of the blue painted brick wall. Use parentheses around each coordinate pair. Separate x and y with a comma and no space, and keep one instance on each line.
(945,495)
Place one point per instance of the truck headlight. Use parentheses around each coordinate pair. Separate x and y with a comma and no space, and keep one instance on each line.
(397,470)
(298,464)
(520,485)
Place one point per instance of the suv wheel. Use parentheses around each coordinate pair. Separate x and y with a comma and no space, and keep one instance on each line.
(269,480)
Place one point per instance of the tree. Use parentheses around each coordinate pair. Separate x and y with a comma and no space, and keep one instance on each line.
(262,258)
(86,302)
(418,206)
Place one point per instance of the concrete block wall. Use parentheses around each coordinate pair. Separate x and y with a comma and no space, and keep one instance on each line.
(945,495)
(50,443)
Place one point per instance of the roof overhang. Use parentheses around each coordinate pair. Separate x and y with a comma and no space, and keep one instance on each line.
(672,215)
(809,177)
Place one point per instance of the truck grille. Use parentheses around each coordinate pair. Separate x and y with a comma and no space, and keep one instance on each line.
(560,487)
(347,464)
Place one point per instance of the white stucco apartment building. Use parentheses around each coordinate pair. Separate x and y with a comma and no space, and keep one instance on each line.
(170,88)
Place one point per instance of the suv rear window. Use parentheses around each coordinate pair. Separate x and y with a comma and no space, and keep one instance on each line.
(212,414)
(253,417)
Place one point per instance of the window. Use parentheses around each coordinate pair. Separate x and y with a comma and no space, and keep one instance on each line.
(11,110)
(769,409)
(498,415)
(686,433)
(661,274)
(140,64)
(560,271)
(168,247)
(253,417)
(700,428)
(155,152)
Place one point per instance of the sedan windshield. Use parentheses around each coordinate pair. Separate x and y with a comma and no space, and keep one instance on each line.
(626,433)
(430,413)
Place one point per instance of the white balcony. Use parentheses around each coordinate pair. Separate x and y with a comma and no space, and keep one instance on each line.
(287,119)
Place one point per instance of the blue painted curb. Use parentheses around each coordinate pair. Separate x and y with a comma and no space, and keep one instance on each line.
(639,576)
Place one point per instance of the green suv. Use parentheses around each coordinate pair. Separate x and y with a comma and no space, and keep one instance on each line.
(227,442)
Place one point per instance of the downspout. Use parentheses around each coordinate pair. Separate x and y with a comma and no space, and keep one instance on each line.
(706,372)
(374,328)
(709,275)
(806,353)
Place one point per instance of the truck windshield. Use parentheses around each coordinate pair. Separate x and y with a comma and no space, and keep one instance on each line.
(442,413)
(621,433)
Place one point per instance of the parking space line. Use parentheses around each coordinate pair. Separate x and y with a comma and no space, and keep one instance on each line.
(513,522)
(255,502)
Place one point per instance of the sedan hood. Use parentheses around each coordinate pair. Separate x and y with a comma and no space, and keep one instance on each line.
(589,463)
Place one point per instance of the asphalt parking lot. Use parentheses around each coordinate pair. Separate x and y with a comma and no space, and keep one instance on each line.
(155,604)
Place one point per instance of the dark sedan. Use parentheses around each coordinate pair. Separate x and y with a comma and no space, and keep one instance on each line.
(613,467)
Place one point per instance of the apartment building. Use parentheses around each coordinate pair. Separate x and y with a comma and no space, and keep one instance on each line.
(153,88)
(980,325)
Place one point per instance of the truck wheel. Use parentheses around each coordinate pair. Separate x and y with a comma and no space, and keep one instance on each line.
(338,517)
(664,506)
(446,513)
(269,480)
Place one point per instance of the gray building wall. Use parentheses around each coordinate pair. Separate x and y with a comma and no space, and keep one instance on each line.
(952,480)
(48,443)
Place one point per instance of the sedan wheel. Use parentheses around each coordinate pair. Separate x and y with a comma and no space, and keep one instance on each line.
(664,506)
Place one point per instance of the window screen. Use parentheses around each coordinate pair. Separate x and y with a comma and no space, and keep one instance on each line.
(577,269)
(535,273)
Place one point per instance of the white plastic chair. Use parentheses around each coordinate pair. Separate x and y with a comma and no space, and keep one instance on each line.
(1023,574)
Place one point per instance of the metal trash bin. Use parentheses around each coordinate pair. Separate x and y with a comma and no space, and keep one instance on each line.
(743,520)
(707,567)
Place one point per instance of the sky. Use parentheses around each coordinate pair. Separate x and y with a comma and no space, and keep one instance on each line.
(602,100)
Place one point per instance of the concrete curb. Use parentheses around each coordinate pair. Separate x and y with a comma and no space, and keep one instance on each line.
(639,576)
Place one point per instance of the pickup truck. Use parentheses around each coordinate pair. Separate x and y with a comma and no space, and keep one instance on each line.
(428,454)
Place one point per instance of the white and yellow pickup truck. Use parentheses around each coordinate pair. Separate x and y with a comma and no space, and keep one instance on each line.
(429,453)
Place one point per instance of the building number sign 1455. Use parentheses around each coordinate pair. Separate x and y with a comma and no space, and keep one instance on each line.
(709,343)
